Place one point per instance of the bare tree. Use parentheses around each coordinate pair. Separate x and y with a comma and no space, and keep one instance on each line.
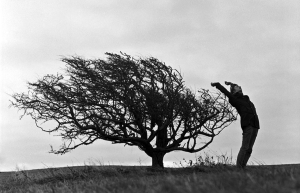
(138,102)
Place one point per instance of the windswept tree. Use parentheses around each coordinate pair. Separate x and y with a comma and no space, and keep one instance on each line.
(135,101)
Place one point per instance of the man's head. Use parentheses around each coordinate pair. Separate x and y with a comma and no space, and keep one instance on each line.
(236,89)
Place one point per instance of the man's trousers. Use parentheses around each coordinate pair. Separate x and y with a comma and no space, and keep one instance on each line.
(249,136)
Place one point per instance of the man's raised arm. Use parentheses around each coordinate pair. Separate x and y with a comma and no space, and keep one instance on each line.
(222,89)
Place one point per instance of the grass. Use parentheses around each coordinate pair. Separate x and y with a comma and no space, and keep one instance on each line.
(202,175)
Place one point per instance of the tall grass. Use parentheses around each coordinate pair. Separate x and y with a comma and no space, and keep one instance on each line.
(208,160)
(204,174)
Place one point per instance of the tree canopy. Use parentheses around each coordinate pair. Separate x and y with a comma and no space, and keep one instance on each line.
(135,101)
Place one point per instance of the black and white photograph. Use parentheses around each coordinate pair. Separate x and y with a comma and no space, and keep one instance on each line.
(150,96)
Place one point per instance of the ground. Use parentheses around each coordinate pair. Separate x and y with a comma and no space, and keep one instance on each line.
(216,178)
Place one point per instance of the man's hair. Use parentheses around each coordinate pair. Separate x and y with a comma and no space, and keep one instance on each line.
(234,88)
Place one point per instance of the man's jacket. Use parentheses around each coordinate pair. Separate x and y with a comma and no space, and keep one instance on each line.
(244,107)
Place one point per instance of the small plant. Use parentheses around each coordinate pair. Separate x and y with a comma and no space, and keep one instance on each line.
(208,161)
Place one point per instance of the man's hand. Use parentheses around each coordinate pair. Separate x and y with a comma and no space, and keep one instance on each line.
(214,83)
(228,83)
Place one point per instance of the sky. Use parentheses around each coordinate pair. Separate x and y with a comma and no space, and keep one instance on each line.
(255,44)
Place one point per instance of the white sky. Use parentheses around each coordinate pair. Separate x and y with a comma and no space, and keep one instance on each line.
(253,43)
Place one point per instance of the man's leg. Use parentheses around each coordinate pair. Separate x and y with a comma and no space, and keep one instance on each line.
(249,151)
(249,136)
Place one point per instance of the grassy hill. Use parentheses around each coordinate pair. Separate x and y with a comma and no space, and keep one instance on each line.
(216,178)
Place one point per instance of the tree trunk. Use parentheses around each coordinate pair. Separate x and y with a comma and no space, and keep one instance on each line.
(158,159)
(161,142)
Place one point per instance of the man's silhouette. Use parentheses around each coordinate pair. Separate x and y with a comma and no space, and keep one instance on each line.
(249,119)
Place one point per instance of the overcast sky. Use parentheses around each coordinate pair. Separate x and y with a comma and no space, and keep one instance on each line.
(253,43)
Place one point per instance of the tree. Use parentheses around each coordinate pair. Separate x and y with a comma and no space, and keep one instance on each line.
(138,102)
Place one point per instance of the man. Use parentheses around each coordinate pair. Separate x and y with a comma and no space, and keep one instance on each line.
(249,119)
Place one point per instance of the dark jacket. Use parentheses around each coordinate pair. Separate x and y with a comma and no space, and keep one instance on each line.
(244,107)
